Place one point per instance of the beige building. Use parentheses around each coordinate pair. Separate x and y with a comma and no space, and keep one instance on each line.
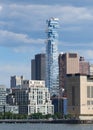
(80,96)
(68,64)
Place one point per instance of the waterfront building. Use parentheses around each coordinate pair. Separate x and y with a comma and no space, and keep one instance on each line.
(52,71)
(38,67)
(80,96)
(33,97)
(60,105)
(16,81)
(71,63)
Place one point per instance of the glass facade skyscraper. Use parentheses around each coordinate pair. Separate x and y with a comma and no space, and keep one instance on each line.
(52,71)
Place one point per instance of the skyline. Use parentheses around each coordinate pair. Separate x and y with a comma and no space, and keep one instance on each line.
(23,26)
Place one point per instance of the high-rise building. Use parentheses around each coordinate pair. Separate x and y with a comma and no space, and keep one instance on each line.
(71,63)
(16,81)
(38,67)
(68,64)
(83,66)
(52,71)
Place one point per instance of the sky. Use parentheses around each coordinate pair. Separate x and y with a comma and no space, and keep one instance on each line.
(23,27)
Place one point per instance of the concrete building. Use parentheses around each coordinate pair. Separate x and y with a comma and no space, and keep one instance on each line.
(33,97)
(68,64)
(83,66)
(16,81)
(38,67)
(80,96)
(52,71)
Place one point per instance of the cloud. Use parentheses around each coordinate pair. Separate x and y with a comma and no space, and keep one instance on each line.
(1,8)
(69,44)
(65,13)
(24,25)
(51,2)
(33,17)
(72,13)
(11,39)
(28,22)
(71,28)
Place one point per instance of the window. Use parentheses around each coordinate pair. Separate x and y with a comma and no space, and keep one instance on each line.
(91,91)
(88,103)
(72,55)
(88,92)
(91,102)
(73,95)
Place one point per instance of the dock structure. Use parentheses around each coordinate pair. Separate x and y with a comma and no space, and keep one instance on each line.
(58,121)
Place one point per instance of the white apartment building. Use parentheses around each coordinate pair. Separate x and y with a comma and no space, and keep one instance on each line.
(34,97)
(39,98)
(80,96)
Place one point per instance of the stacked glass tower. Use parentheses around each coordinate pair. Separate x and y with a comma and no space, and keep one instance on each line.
(52,71)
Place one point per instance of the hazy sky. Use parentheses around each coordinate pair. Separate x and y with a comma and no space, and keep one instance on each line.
(22,32)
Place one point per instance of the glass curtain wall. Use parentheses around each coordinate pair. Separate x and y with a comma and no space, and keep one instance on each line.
(52,70)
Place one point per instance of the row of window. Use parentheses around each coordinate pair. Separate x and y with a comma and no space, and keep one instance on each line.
(90,102)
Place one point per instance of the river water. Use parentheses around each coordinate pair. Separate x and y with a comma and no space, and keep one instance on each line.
(41,126)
